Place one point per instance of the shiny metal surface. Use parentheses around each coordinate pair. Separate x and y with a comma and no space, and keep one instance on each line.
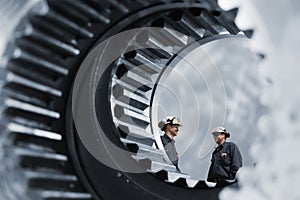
(41,49)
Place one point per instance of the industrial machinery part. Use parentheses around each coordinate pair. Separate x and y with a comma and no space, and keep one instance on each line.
(42,50)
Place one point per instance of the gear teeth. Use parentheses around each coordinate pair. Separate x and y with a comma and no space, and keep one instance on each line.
(46,180)
(135,132)
(21,76)
(109,5)
(126,106)
(226,19)
(54,30)
(32,60)
(162,39)
(151,157)
(181,179)
(34,89)
(27,152)
(118,5)
(19,105)
(153,160)
(152,55)
(161,56)
(86,10)
(40,144)
(24,94)
(73,13)
(155,41)
(181,182)
(144,150)
(53,181)
(126,96)
(129,94)
(174,176)
(168,34)
(136,69)
(32,159)
(149,140)
(100,6)
(134,79)
(36,61)
(129,104)
(232,14)
(22,129)
(191,183)
(188,23)
(140,59)
(35,124)
(68,24)
(44,175)
(143,3)
(129,116)
(208,21)
(30,124)
(147,155)
(56,195)
(53,43)
(212,23)
(249,33)
(22,82)
(135,90)
(154,166)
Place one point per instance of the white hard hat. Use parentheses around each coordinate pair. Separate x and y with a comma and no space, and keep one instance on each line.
(169,120)
(221,129)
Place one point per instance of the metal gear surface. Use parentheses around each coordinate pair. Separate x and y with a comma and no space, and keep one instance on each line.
(43,157)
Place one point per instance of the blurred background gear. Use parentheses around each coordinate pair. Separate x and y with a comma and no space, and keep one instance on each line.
(43,44)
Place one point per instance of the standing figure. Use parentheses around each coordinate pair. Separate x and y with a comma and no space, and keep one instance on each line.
(226,159)
(170,125)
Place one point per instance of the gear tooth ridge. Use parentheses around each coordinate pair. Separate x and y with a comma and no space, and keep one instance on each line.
(249,33)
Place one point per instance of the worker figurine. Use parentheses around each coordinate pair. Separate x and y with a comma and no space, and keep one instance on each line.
(170,126)
(226,159)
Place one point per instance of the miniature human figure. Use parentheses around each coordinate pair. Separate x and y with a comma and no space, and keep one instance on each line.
(226,159)
(170,125)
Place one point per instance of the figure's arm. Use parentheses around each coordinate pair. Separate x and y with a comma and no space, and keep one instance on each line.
(236,161)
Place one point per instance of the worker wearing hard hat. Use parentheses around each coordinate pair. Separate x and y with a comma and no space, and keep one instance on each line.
(226,159)
(170,125)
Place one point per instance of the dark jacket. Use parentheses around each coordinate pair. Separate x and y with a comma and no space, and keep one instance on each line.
(225,162)
(170,149)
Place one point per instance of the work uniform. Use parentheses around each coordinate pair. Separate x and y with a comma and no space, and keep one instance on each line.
(225,162)
(170,149)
